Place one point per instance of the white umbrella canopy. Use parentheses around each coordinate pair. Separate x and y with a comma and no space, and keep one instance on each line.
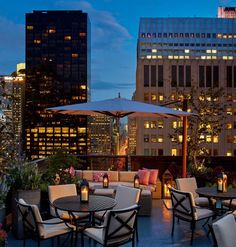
(119,107)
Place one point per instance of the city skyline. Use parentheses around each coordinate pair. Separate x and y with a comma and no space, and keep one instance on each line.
(114,35)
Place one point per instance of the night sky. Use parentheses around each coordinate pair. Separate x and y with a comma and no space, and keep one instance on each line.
(114,26)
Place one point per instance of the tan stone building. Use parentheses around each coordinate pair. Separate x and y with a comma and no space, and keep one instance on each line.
(174,55)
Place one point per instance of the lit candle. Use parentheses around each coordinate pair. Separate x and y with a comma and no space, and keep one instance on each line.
(84,194)
(136,183)
(220,184)
(105,182)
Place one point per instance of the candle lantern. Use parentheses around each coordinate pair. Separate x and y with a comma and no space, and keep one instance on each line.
(136,181)
(167,180)
(105,181)
(222,182)
(84,191)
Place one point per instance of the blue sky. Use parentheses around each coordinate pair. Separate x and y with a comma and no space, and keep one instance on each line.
(114,28)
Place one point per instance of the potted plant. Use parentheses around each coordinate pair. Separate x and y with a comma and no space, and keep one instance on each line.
(25,180)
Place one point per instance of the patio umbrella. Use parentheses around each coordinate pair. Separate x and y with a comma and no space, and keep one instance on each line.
(120,107)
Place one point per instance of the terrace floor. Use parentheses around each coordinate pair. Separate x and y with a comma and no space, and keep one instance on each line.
(153,231)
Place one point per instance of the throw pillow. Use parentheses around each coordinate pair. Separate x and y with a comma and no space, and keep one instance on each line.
(153,175)
(143,176)
(97,176)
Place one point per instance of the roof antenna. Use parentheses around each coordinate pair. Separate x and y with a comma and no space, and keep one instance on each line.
(118,95)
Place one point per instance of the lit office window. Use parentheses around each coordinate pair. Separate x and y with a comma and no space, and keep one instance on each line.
(146,125)
(229,153)
(174,152)
(160,139)
(153,124)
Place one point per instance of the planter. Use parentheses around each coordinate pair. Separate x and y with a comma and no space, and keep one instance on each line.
(2,214)
(31,197)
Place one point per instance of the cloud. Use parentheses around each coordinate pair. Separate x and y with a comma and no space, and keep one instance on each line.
(12,44)
(104,85)
(106,30)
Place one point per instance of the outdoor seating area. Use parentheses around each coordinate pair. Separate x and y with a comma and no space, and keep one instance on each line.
(115,208)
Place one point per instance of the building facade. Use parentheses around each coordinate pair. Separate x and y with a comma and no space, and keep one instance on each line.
(57,73)
(175,55)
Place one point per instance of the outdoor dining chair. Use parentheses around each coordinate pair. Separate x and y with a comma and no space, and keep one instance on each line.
(190,185)
(125,197)
(184,208)
(224,231)
(39,229)
(62,190)
(118,228)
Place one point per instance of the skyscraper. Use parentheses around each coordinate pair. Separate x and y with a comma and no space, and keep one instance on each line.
(57,73)
(174,55)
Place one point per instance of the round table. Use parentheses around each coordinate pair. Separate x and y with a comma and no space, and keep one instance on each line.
(211,192)
(95,204)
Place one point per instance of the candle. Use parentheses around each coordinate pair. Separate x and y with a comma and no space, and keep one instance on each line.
(84,194)
(105,182)
(220,184)
(136,183)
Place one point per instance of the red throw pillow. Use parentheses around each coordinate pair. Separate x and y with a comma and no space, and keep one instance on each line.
(143,176)
(153,175)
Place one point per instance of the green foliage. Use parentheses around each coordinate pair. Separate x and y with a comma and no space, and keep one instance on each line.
(24,176)
(208,122)
(4,188)
(59,168)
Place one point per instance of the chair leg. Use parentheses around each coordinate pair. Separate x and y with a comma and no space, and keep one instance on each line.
(136,231)
(193,229)
(133,241)
(82,239)
(173,226)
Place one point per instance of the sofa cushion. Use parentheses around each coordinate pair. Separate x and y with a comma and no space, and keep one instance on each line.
(144,176)
(127,176)
(113,176)
(88,174)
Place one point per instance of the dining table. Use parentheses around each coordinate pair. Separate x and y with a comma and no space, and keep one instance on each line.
(211,192)
(73,205)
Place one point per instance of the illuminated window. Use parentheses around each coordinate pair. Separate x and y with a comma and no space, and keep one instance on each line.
(41,130)
(215,139)
(153,97)
(219,35)
(229,97)
(153,138)
(174,152)
(160,139)
(154,50)
(161,97)
(174,124)
(82,34)
(208,51)
(146,125)
(153,124)
(74,55)
(229,111)
(234,139)
(229,153)
(30,27)
(229,126)
(149,56)
(186,51)
(160,124)
(37,41)
(208,138)
(67,37)
(180,138)
(52,30)
(82,130)
(82,86)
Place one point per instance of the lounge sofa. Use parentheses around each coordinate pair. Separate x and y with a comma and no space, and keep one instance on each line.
(118,177)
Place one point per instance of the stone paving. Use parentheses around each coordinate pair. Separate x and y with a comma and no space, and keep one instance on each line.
(153,231)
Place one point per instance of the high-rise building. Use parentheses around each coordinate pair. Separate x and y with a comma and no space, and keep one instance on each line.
(57,73)
(174,55)
(100,134)
(227,12)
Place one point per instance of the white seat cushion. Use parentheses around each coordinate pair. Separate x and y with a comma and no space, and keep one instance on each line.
(202,213)
(225,231)
(201,201)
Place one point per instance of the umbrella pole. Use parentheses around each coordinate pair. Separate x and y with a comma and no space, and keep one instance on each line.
(184,143)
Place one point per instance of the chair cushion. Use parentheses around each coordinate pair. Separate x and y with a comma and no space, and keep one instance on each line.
(187,184)
(201,201)
(227,203)
(144,176)
(52,230)
(202,213)
(225,231)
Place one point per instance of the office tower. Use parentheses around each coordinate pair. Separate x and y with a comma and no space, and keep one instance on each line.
(100,134)
(57,73)
(11,103)
(174,56)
